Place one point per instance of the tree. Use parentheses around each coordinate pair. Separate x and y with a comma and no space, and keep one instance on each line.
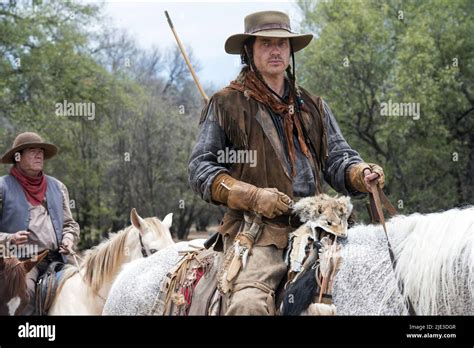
(367,54)
(133,151)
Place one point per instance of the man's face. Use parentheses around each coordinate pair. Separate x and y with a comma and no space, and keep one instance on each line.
(271,55)
(31,160)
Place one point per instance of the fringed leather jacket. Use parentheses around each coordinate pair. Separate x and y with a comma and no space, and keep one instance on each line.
(231,122)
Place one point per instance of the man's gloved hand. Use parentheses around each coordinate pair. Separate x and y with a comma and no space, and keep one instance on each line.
(266,201)
(242,196)
(362,175)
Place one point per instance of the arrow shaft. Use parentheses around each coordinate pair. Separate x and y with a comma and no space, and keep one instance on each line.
(186,59)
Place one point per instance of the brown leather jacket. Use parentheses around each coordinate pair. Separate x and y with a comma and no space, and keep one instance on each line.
(248,126)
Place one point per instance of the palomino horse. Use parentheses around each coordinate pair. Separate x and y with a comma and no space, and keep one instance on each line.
(435,263)
(13,294)
(84,290)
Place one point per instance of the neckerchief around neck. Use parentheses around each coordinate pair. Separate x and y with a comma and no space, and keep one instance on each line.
(253,87)
(33,187)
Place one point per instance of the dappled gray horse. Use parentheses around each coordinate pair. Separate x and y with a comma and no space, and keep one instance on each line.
(435,263)
(435,254)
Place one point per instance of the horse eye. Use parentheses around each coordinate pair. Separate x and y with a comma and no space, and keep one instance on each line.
(320,210)
(152,251)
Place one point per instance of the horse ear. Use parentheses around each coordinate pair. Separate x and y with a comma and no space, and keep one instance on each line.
(136,220)
(168,220)
(29,264)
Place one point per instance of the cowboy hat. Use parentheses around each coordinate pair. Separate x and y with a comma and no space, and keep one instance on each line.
(27,140)
(269,24)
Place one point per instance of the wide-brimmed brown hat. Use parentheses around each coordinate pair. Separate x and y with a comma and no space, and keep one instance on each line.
(269,24)
(27,140)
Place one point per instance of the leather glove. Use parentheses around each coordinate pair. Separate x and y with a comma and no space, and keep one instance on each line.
(242,196)
(356,175)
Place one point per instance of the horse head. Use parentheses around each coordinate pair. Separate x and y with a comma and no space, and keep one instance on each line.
(154,234)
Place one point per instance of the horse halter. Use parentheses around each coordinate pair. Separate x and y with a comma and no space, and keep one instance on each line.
(143,249)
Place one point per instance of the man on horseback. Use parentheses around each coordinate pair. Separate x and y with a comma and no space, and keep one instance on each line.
(34,207)
(293,136)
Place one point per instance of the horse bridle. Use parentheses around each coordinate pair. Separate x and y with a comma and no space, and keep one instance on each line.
(142,247)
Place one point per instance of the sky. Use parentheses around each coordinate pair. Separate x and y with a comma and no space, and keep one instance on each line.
(202,25)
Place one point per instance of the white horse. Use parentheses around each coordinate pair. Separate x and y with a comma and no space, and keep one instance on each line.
(435,264)
(85,290)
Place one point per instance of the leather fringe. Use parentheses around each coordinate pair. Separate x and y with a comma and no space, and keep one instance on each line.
(318,104)
(227,123)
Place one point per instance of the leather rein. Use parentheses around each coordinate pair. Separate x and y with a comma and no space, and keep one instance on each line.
(377,197)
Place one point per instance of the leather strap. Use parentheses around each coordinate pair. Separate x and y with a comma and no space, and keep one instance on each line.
(142,246)
(374,209)
(377,197)
(269,26)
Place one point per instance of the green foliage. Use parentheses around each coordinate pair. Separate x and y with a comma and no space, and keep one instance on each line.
(134,151)
(369,52)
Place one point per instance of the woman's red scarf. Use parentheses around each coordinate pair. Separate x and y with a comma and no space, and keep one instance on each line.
(34,187)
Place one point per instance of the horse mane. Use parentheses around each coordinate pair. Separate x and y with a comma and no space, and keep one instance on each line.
(100,262)
(435,260)
(434,253)
(14,277)
(103,261)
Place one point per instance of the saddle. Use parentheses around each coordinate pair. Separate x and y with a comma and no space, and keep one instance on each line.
(312,256)
(178,288)
(46,287)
